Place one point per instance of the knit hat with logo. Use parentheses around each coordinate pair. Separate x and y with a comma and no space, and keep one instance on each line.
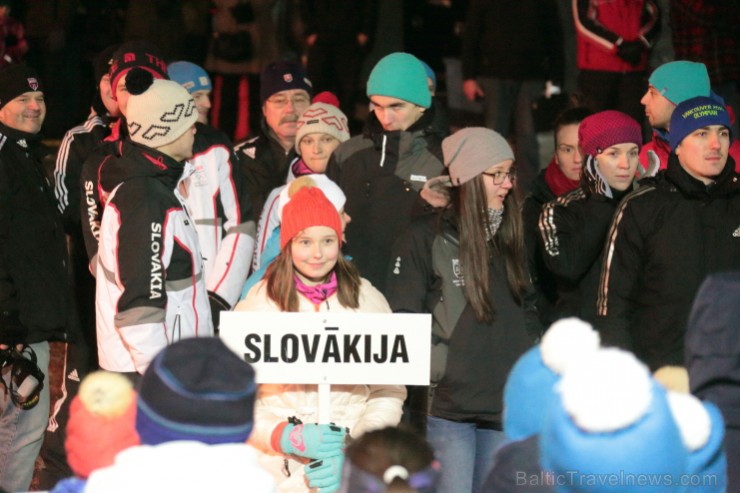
(141,54)
(696,113)
(604,129)
(196,389)
(402,76)
(283,76)
(16,80)
(322,118)
(681,80)
(308,207)
(470,151)
(158,111)
(190,76)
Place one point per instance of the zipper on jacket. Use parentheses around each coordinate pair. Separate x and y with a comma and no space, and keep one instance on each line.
(382,152)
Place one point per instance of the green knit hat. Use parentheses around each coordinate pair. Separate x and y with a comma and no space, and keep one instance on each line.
(400,75)
(681,80)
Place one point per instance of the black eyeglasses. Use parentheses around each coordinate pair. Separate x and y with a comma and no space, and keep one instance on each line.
(500,176)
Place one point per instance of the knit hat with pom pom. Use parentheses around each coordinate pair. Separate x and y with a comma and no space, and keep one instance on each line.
(136,54)
(308,207)
(158,111)
(702,430)
(609,429)
(531,383)
(101,422)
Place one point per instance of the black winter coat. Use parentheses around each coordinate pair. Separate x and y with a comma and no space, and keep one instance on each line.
(34,278)
(666,238)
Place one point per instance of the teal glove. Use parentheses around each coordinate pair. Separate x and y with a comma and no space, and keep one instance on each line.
(313,441)
(325,474)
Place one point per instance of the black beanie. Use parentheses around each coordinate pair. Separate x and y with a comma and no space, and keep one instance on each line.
(16,80)
(140,54)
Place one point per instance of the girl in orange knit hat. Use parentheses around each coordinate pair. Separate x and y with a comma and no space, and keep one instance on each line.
(311,275)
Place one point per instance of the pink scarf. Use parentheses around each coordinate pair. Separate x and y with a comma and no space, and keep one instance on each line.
(320,292)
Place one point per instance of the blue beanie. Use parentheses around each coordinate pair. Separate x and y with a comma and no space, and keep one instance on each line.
(190,76)
(196,389)
(430,74)
(681,80)
(610,429)
(402,76)
(693,114)
(532,380)
(702,430)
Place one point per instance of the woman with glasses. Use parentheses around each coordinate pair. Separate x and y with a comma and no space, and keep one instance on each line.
(467,267)
(574,227)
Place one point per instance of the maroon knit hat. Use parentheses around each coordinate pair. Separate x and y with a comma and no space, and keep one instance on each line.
(605,129)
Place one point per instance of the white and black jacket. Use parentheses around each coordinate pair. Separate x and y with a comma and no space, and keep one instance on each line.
(217,200)
(150,286)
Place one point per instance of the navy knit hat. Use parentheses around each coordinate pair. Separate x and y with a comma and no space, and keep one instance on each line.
(16,80)
(693,114)
(402,76)
(196,389)
(283,76)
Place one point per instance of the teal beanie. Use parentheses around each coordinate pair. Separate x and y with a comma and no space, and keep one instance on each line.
(402,76)
(681,80)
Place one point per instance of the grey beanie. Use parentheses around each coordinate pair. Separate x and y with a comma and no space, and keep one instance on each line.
(471,151)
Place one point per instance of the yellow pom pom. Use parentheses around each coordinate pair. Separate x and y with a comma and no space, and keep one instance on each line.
(106,394)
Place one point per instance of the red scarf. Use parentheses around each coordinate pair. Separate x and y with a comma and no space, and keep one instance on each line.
(557,181)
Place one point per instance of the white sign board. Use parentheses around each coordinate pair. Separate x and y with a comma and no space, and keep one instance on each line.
(332,348)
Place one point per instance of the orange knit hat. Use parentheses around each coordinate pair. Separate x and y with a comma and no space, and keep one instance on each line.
(308,207)
(101,422)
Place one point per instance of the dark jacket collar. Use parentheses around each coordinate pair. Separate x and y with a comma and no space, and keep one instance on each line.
(138,161)
(725,183)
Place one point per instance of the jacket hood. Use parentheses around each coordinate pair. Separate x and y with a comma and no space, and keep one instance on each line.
(137,161)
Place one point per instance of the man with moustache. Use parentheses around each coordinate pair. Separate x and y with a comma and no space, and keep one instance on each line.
(264,159)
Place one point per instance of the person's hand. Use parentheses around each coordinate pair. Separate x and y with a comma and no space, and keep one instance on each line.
(313,441)
(325,474)
(362,39)
(311,39)
(631,51)
(472,89)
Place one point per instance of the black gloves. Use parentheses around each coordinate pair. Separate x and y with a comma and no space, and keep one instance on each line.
(631,51)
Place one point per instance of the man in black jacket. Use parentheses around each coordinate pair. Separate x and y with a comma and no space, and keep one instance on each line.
(264,159)
(35,302)
(669,235)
